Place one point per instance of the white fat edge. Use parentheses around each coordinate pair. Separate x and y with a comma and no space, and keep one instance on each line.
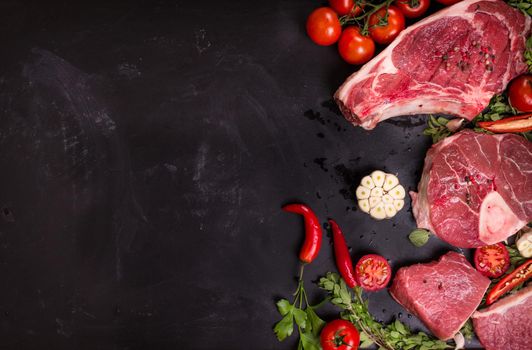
(409,107)
(421,209)
(502,306)
(385,57)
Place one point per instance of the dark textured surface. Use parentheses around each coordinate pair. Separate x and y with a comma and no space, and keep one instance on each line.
(145,152)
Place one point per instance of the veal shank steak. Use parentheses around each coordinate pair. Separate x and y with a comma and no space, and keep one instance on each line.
(452,62)
(476,189)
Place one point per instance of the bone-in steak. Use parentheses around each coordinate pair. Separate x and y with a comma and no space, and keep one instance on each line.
(507,324)
(451,62)
(442,294)
(476,189)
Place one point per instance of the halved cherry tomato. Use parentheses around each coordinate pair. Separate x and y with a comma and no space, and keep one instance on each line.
(492,260)
(339,335)
(413,8)
(373,272)
(519,123)
(344,7)
(354,47)
(520,93)
(448,2)
(383,29)
(520,275)
(323,26)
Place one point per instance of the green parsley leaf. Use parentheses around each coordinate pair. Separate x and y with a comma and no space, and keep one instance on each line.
(301,317)
(284,306)
(365,341)
(310,341)
(467,330)
(419,237)
(315,322)
(285,327)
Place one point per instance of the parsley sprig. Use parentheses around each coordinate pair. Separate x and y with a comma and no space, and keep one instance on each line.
(394,336)
(524,5)
(308,323)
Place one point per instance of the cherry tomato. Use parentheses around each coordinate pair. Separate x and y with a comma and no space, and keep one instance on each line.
(492,260)
(520,93)
(373,272)
(448,2)
(323,26)
(339,335)
(385,33)
(354,47)
(344,7)
(413,8)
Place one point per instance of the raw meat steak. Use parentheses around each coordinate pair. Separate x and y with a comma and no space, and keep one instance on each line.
(451,62)
(442,294)
(476,189)
(507,324)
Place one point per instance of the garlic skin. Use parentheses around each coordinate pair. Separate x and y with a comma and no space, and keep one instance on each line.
(459,341)
(380,195)
(524,244)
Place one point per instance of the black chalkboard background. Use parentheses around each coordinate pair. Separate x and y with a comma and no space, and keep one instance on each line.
(145,152)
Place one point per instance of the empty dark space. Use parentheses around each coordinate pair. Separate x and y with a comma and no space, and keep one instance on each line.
(146,149)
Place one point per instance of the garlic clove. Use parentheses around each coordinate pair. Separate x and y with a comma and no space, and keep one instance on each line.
(398,192)
(390,210)
(378,177)
(373,201)
(377,192)
(378,212)
(387,199)
(390,181)
(362,192)
(367,181)
(524,244)
(398,204)
(363,204)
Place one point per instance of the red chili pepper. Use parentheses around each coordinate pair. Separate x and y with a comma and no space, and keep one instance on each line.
(343,259)
(518,276)
(311,245)
(519,123)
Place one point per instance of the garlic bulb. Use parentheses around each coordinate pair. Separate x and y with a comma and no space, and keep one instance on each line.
(524,244)
(380,195)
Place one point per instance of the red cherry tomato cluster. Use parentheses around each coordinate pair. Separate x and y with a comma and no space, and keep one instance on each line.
(364,23)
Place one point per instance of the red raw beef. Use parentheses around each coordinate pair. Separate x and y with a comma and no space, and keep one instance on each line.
(476,189)
(442,294)
(507,324)
(451,62)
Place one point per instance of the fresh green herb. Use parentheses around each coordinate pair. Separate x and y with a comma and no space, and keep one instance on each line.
(308,323)
(437,128)
(467,330)
(528,53)
(394,336)
(524,5)
(419,237)
(497,109)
